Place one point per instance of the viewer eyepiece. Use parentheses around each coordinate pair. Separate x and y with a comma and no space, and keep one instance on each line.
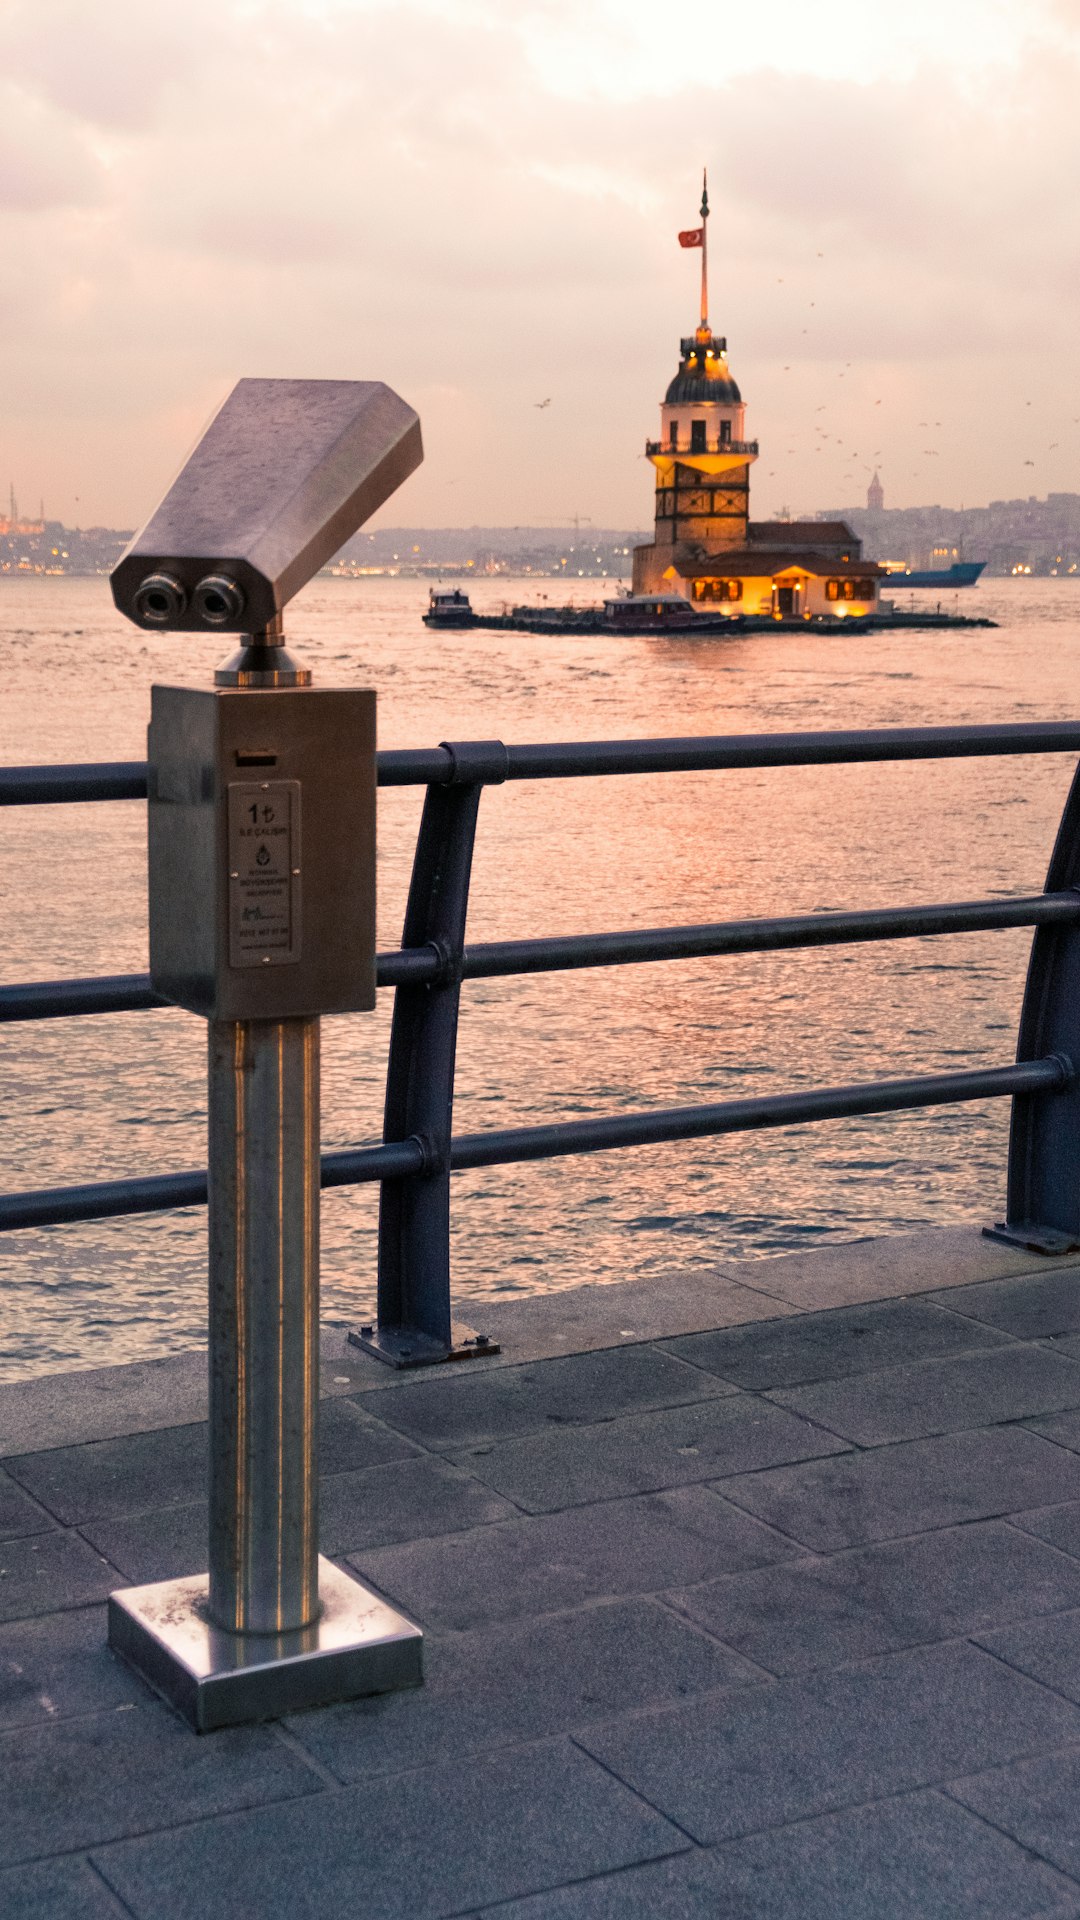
(159,600)
(218,600)
(283,475)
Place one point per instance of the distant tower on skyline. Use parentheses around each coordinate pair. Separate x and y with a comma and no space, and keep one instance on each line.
(875,495)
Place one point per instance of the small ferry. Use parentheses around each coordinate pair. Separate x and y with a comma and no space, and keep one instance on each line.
(449,609)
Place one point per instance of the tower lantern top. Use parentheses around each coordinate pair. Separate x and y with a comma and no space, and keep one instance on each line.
(703,373)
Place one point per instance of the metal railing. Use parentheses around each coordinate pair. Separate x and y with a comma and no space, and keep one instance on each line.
(420,1152)
(676,448)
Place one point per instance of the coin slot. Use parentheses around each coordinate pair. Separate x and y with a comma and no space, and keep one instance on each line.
(255,757)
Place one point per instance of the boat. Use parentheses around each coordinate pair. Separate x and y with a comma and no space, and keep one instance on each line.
(962,573)
(663,613)
(449,608)
(629,613)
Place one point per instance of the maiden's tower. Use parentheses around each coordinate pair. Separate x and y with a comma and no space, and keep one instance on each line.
(706,547)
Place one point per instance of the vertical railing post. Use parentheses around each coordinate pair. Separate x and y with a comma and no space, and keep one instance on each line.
(415,1324)
(1043,1209)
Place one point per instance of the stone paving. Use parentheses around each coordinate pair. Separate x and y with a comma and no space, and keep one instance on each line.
(746,1593)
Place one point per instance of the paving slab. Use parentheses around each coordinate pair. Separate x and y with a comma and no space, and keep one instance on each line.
(49,1572)
(58,1665)
(408,1500)
(582,1319)
(913,1487)
(506,1685)
(416,1496)
(905,1263)
(813,1613)
(19,1515)
(58,1890)
(78,1782)
(99,1403)
(1062,1428)
(413,1847)
(156,1545)
(1035,1802)
(1038,1306)
(101,1478)
(758,1757)
(576,1391)
(939,1396)
(1047,1649)
(647,1451)
(525,1567)
(1059,1525)
(920,1857)
(834,1345)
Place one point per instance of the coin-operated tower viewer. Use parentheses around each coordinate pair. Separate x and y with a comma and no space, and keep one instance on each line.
(262,918)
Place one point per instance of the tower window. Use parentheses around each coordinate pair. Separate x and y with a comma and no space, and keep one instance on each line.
(725,433)
(697,436)
(674,437)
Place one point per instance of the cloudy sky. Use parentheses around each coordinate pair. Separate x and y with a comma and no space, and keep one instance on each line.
(478,203)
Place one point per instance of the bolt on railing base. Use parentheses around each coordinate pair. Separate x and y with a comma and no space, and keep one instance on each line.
(1033,1238)
(359,1645)
(405,1347)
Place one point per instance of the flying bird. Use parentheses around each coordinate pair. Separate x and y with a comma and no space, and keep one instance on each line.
(543,403)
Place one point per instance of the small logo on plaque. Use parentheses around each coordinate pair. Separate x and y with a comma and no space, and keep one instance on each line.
(264,873)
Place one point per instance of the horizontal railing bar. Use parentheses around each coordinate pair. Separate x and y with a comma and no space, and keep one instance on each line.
(157,1193)
(63,999)
(132,992)
(502,1147)
(508,957)
(45,786)
(704,755)
(426,766)
(399,1158)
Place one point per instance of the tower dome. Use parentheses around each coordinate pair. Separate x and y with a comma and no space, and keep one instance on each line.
(704,374)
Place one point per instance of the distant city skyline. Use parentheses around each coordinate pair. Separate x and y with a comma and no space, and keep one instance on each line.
(482,209)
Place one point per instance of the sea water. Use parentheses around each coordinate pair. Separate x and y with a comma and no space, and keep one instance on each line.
(124,1094)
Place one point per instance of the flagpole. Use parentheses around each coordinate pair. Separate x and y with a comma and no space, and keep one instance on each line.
(705,249)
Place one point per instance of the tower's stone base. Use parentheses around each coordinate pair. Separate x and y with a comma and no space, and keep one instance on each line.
(654,572)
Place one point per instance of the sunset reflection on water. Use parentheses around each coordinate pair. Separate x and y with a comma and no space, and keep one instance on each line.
(123,1094)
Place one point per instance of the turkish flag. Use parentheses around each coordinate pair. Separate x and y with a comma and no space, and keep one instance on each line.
(693,237)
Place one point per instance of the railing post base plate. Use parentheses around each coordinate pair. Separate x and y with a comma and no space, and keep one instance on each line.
(404,1347)
(359,1645)
(1033,1238)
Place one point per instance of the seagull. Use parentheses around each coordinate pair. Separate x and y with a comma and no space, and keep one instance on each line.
(1029,463)
(877,403)
(543,403)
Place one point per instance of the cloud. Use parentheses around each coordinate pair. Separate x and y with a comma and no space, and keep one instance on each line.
(44,162)
(269,186)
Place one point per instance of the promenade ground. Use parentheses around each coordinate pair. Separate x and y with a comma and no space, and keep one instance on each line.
(747,1593)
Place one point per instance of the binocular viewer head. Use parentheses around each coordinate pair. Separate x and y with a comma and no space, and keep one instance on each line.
(284,474)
